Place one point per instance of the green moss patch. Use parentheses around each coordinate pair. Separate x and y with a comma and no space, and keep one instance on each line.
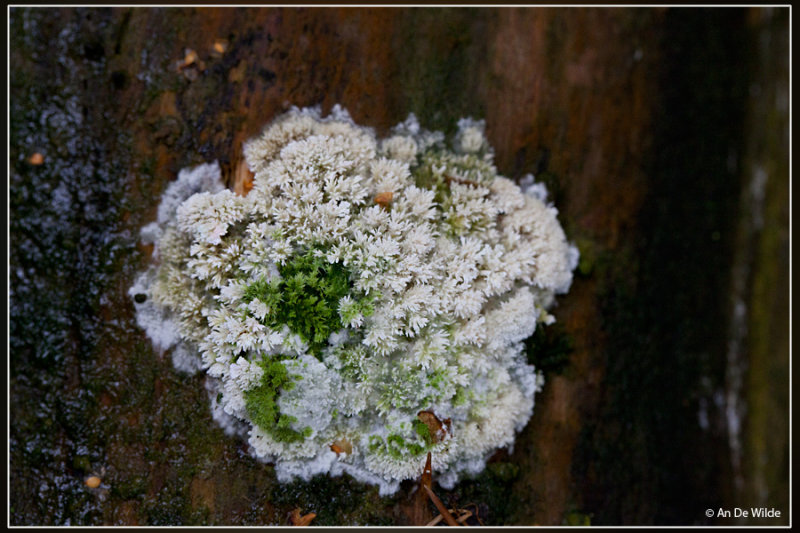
(262,403)
(306,298)
(399,448)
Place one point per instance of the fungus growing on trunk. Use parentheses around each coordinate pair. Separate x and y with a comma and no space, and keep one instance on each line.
(369,292)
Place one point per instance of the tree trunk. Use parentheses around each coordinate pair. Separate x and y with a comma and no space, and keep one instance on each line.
(662,135)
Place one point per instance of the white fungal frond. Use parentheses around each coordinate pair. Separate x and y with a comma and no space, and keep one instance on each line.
(358,284)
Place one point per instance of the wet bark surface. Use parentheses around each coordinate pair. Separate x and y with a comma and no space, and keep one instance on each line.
(661,134)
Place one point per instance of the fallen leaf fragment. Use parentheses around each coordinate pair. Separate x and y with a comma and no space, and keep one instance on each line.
(438,429)
(219,47)
(301,520)
(191,65)
(190,58)
(342,446)
(453,179)
(383,199)
(242,178)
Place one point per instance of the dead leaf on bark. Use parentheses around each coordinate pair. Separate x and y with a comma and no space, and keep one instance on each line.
(438,429)
(191,65)
(383,199)
(461,181)
(189,59)
(219,47)
(296,519)
(242,178)
(342,446)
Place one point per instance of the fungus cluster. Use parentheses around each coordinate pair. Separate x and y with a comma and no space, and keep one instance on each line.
(366,303)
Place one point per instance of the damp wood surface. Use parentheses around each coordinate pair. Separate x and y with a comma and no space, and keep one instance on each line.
(645,127)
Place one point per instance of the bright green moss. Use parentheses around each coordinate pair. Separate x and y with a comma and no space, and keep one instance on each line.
(363,306)
(268,291)
(306,298)
(262,403)
(439,379)
(461,396)
(423,431)
(399,448)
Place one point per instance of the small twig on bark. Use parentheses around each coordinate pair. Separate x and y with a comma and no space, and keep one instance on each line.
(462,518)
(434,521)
(440,506)
(420,512)
(477,515)
(425,480)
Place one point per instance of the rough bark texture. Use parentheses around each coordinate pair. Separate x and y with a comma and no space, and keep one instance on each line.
(661,134)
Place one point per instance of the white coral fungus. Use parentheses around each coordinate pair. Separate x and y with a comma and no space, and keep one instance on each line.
(362,289)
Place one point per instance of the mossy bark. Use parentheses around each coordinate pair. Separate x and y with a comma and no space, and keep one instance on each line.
(643,123)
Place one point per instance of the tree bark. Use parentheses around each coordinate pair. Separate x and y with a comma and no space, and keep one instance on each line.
(669,173)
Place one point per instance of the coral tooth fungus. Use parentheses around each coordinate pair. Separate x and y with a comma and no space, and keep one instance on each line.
(362,292)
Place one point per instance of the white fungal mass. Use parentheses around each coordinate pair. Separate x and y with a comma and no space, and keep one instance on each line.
(365,304)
